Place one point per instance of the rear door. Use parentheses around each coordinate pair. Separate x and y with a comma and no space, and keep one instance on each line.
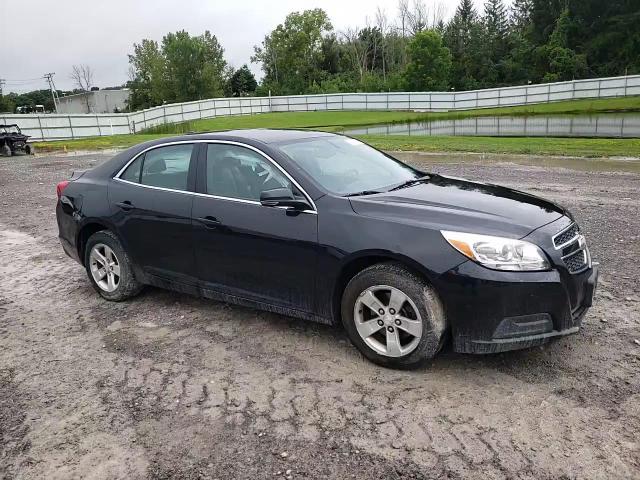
(152,200)
(244,249)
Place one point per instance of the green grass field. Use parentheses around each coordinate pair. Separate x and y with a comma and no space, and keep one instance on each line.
(337,121)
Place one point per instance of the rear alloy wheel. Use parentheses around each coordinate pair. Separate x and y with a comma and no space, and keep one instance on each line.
(393,316)
(109,268)
(105,267)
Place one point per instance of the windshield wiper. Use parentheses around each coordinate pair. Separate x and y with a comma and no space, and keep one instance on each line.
(364,192)
(411,182)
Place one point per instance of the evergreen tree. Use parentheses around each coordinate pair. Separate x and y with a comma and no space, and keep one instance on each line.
(556,60)
(466,13)
(496,24)
(242,82)
(496,20)
(520,16)
(463,36)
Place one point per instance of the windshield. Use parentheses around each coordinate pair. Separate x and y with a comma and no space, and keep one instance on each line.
(346,166)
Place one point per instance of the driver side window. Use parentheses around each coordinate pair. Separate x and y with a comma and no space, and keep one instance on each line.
(238,172)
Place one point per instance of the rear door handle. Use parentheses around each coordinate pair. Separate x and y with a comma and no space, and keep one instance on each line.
(209,221)
(126,205)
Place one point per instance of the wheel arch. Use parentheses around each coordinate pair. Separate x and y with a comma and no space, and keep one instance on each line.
(354,264)
(85,232)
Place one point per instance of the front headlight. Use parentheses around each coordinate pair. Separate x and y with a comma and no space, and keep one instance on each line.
(497,252)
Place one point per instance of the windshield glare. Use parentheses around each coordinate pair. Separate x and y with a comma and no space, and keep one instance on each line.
(344,166)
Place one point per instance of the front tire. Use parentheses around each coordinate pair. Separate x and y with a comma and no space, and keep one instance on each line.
(109,268)
(393,316)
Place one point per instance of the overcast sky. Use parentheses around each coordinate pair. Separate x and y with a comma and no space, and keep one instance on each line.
(39,36)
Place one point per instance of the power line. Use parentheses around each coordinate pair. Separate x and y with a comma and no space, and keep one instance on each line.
(23,79)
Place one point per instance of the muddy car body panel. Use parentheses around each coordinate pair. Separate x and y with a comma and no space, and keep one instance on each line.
(298,261)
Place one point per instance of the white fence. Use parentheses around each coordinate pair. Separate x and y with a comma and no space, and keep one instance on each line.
(55,127)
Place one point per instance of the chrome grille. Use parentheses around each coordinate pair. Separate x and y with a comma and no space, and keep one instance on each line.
(575,253)
(578,261)
(566,236)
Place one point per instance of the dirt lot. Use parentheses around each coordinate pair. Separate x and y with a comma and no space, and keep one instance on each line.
(170,386)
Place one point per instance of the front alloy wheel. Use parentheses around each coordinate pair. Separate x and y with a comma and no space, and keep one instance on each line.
(387,320)
(393,316)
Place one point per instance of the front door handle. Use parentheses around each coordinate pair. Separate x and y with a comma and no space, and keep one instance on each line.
(126,205)
(210,222)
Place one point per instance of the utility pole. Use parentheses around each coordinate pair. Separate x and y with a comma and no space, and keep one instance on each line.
(52,86)
(2,82)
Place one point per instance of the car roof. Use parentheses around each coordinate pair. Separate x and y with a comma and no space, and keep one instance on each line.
(262,135)
(250,136)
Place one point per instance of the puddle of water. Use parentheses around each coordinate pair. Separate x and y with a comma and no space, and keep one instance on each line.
(79,153)
(573,163)
(605,125)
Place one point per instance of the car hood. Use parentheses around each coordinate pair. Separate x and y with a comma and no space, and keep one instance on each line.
(447,203)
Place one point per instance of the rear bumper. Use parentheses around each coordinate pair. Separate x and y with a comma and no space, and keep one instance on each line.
(67,230)
(69,249)
(492,311)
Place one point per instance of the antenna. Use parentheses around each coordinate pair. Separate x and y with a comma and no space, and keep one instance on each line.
(52,86)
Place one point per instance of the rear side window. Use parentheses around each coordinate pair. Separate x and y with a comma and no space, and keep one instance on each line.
(167,167)
(132,173)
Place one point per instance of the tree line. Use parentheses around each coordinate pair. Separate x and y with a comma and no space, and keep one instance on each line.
(414,48)
(531,41)
(182,68)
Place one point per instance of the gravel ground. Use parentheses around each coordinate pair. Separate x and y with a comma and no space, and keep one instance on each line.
(171,386)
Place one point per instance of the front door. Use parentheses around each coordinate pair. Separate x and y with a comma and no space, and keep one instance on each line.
(244,249)
(152,203)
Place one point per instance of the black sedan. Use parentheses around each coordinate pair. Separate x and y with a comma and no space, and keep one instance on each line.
(327,228)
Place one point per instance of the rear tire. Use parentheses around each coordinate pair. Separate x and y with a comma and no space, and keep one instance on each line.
(5,150)
(109,268)
(402,337)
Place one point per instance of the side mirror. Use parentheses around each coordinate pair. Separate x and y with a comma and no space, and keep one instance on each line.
(282,197)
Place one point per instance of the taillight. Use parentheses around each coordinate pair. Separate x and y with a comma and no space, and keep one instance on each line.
(60,187)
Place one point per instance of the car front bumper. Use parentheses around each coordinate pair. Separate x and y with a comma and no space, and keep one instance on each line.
(491,311)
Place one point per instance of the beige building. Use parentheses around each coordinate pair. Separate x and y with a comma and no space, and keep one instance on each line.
(99,101)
